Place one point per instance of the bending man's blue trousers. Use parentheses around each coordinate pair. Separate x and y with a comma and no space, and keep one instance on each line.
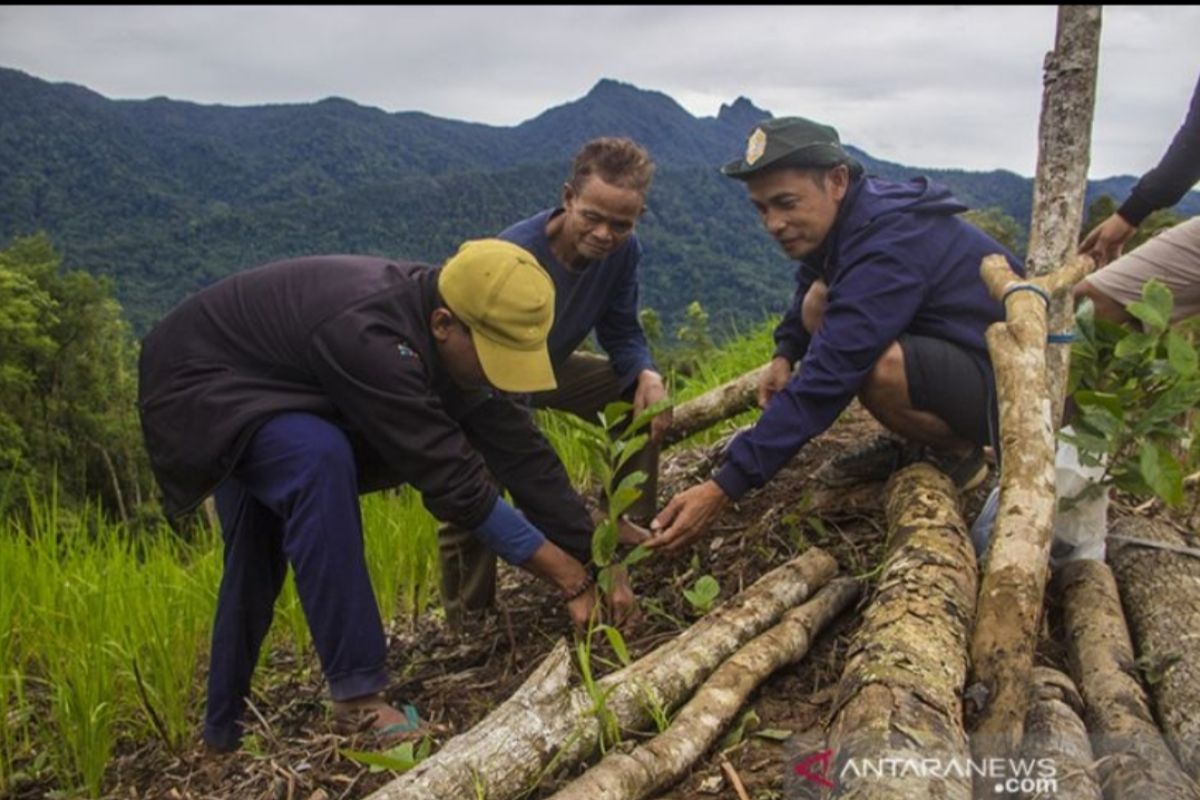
(292,499)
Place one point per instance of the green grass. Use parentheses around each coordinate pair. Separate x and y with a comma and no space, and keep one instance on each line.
(104,634)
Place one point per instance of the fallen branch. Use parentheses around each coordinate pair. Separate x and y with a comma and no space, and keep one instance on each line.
(1161,595)
(900,695)
(1138,763)
(510,751)
(727,400)
(663,760)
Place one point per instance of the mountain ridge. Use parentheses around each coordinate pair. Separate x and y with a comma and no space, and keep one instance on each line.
(168,195)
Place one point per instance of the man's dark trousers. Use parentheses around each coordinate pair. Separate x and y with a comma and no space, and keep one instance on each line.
(292,499)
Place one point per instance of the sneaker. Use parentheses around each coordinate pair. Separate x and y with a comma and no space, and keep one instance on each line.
(873,462)
(967,470)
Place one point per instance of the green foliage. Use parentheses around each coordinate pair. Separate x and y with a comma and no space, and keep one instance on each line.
(1131,389)
(67,382)
(1000,226)
(400,758)
(703,594)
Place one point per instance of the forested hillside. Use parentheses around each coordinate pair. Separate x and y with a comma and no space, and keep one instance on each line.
(166,196)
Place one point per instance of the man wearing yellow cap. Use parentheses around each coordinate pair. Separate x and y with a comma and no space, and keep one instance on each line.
(289,389)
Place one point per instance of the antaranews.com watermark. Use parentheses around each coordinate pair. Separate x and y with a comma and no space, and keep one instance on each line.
(1005,775)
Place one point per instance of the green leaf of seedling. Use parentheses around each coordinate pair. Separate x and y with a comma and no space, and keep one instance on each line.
(618,643)
(626,494)
(1085,322)
(1107,401)
(400,758)
(749,721)
(648,413)
(604,580)
(613,413)
(1135,344)
(604,543)
(1181,354)
(637,555)
(1154,309)
(627,449)
(703,593)
(1161,472)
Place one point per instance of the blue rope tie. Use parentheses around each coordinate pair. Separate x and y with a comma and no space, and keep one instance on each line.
(1062,338)
(1026,287)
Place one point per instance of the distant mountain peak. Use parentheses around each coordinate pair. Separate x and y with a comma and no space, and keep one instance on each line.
(742,113)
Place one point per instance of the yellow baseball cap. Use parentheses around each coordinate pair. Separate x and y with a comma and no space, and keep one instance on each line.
(501,293)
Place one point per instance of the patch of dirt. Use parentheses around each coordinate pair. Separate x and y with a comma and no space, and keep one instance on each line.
(454,679)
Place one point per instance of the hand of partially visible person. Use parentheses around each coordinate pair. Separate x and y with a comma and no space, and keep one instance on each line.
(622,602)
(650,390)
(580,608)
(687,516)
(776,376)
(630,533)
(1107,239)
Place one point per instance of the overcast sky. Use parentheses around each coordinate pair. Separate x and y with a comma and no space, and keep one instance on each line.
(939,86)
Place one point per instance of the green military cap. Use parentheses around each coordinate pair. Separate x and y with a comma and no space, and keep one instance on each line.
(790,142)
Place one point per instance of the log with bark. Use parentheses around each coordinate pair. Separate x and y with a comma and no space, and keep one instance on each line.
(900,695)
(1135,762)
(1017,561)
(540,730)
(1160,591)
(663,760)
(1055,735)
(727,400)
(1029,389)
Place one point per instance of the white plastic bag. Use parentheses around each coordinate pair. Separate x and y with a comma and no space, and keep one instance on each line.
(1080,531)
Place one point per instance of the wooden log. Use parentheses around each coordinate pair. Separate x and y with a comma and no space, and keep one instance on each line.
(509,751)
(1064,152)
(1057,739)
(1160,591)
(1136,763)
(663,760)
(900,693)
(1017,564)
(727,400)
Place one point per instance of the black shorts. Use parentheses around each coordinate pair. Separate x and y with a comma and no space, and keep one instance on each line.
(948,383)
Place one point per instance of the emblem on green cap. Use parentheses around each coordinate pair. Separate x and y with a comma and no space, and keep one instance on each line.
(756,146)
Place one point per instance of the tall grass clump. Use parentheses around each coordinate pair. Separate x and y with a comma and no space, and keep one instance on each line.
(104,631)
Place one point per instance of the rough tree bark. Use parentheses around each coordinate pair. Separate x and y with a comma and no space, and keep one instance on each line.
(1030,387)
(663,760)
(728,399)
(1137,763)
(1161,594)
(900,695)
(1064,148)
(1017,566)
(510,750)
(1054,731)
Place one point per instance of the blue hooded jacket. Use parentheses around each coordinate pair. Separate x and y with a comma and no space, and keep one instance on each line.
(897,260)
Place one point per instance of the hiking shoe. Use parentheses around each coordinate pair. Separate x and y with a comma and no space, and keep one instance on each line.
(966,470)
(873,462)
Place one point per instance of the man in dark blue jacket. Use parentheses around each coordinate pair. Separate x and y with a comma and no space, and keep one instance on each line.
(589,249)
(889,306)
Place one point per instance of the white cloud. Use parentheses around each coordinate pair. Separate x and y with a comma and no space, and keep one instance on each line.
(924,85)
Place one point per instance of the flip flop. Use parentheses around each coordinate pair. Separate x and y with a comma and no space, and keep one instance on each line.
(361,720)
